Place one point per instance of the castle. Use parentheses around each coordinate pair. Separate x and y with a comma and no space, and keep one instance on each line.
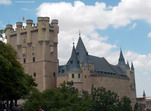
(37,50)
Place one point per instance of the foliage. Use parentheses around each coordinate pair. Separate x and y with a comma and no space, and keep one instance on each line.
(104,100)
(14,82)
(124,104)
(67,98)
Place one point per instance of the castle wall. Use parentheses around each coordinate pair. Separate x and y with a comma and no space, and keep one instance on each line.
(61,79)
(117,85)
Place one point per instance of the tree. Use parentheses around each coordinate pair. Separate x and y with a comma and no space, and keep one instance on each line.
(103,100)
(65,98)
(124,104)
(14,83)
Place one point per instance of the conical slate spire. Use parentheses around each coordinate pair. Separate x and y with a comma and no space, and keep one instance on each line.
(121,58)
(80,46)
(81,50)
(128,64)
(132,66)
(73,62)
(144,95)
(85,62)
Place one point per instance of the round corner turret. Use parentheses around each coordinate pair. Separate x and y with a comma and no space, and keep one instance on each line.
(29,21)
(9,26)
(54,21)
(19,24)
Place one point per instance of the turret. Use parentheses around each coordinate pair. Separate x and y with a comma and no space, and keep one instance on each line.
(29,26)
(9,28)
(73,63)
(18,30)
(132,67)
(144,95)
(54,23)
(47,35)
(128,67)
(40,26)
(121,59)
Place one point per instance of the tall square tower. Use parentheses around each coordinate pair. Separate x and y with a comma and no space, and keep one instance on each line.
(37,49)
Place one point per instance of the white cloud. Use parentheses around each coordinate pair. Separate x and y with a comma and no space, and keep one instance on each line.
(149,35)
(133,26)
(5,2)
(25,9)
(89,19)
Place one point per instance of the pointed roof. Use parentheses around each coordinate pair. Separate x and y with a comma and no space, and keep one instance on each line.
(80,46)
(128,64)
(132,66)
(85,62)
(121,58)
(73,63)
(81,50)
(144,95)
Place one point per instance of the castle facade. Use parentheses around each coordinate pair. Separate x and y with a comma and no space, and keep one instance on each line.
(37,50)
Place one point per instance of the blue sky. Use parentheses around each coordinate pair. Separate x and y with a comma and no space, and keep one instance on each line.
(106,25)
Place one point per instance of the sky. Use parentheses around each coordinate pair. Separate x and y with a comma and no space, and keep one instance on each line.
(105,26)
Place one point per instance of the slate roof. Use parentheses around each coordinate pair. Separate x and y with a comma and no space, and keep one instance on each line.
(101,65)
(121,58)
(73,63)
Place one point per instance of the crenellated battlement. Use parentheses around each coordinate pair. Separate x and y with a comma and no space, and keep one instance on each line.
(43,27)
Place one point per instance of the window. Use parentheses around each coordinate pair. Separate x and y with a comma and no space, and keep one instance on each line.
(72,75)
(24,60)
(71,62)
(34,74)
(78,75)
(54,74)
(33,59)
(62,71)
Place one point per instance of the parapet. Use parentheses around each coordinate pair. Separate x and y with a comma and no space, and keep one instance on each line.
(29,21)
(44,22)
(19,24)
(42,19)
(9,26)
(54,21)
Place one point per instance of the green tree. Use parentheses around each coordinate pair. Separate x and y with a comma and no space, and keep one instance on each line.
(124,104)
(14,83)
(103,100)
(65,98)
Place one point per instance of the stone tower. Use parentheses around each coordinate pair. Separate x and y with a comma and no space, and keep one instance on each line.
(37,49)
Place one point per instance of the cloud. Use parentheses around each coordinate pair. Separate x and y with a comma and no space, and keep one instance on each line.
(25,9)
(133,26)
(91,18)
(149,35)
(5,2)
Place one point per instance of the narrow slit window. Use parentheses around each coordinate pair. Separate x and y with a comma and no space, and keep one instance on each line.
(54,74)
(72,75)
(33,59)
(34,74)
(78,75)
(24,60)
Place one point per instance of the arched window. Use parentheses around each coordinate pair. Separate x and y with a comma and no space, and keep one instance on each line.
(79,75)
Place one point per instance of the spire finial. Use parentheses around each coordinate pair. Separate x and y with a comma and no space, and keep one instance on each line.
(79,33)
(73,40)
(132,66)
(144,95)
